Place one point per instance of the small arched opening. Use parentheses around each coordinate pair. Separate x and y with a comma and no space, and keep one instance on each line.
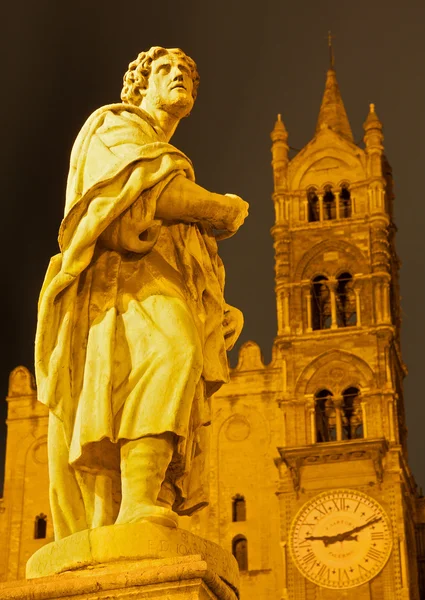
(345,301)
(321,311)
(325,417)
(352,415)
(40,526)
(329,204)
(238,508)
(345,205)
(240,551)
(313,206)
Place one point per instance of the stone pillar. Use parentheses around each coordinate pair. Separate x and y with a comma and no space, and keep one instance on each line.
(386,302)
(313,434)
(358,306)
(338,417)
(332,288)
(363,406)
(285,595)
(286,326)
(309,315)
(320,196)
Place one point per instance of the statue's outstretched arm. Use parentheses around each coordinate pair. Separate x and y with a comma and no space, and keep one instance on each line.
(184,200)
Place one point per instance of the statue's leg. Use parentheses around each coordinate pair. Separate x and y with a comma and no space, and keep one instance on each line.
(144,463)
(66,502)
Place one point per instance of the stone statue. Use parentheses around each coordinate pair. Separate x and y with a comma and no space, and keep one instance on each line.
(133,328)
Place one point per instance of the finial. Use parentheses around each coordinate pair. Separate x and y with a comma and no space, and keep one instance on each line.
(372,120)
(331,50)
(279,131)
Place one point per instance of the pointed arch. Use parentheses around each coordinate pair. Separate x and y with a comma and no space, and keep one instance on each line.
(335,370)
(352,260)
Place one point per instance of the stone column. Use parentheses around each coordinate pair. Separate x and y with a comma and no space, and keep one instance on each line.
(357,290)
(313,432)
(320,196)
(332,287)
(307,297)
(391,419)
(363,407)
(285,595)
(338,417)
(286,326)
(386,315)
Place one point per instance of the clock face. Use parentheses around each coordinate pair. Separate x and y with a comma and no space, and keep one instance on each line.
(340,539)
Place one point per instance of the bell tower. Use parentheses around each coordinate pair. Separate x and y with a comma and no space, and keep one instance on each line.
(343,423)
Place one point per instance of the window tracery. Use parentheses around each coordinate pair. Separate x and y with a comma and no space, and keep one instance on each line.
(332,203)
(338,419)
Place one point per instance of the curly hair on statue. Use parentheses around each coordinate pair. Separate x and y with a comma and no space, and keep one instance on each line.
(136,78)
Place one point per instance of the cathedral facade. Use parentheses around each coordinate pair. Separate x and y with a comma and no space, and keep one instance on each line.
(310,484)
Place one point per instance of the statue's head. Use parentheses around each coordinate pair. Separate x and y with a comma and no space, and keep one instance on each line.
(164,77)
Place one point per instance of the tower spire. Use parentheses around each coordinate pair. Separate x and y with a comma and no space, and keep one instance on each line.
(332,112)
(331,50)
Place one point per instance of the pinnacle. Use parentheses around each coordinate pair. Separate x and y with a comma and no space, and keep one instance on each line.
(372,119)
(279,130)
(332,110)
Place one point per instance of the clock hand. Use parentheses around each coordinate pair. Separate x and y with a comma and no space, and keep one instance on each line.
(359,527)
(341,537)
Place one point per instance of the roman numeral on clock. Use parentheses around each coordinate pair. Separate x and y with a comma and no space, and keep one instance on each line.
(377,535)
(374,554)
(308,558)
(324,571)
(339,503)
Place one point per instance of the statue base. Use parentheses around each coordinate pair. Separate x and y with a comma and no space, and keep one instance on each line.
(178,578)
(137,560)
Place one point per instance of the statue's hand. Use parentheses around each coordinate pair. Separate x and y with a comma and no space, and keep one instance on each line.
(238,212)
(232,325)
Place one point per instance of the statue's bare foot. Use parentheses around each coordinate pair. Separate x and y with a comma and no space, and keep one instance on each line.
(148,512)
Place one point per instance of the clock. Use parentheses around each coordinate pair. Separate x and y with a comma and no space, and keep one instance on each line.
(340,539)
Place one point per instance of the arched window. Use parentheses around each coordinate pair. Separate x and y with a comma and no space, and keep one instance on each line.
(240,551)
(40,526)
(352,416)
(325,417)
(345,209)
(313,206)
(238,508)
(345,301)
(321,312)
(329,204)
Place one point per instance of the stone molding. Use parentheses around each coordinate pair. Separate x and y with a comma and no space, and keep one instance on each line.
(178,578)
(331,452)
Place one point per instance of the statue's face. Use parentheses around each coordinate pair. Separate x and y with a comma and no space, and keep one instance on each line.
(170,86)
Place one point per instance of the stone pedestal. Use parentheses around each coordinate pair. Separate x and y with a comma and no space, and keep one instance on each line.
(184,578)
(140,560)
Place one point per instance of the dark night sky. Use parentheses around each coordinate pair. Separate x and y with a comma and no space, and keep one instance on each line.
(61,60)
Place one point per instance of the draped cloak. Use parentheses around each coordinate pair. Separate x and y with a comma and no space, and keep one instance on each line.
(113,251)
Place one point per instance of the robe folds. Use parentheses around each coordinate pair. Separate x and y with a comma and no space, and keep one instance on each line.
(119,265)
